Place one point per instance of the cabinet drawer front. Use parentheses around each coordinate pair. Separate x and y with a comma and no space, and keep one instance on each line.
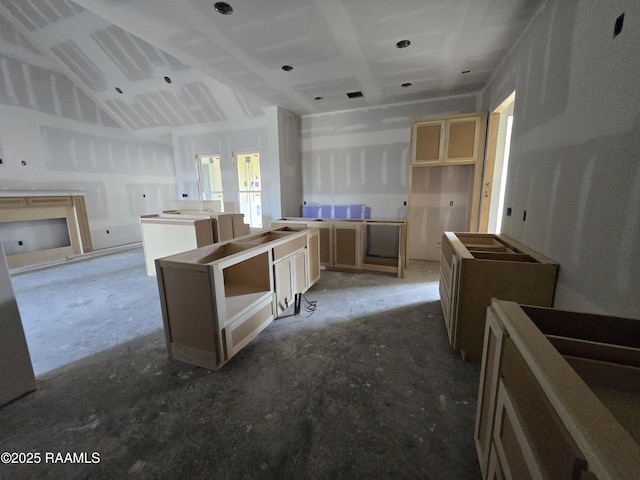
(288,248)
(542,430)
(245,329)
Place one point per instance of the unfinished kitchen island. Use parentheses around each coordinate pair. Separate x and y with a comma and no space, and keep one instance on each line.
(217,298)
(559,395)
(476,267)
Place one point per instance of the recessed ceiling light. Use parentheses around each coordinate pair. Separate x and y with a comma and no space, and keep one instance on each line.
(318,98)
(167,79)
(403,44)
(466,71)
(355,94)
(287,68)
(118,89)
(405,85)
(223,8)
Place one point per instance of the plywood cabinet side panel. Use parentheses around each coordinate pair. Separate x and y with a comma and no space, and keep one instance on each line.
(480,281)
(190,311)
(203,232)
(16,374)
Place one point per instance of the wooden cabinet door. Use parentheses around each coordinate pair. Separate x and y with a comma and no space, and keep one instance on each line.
(283,284)
(462,140)
(428,142)
(489,377)
(299,274)
(325,231)
(347,246)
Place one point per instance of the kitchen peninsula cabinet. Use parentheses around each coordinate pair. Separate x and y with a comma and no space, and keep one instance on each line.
(215,299)
(559,395)
(347,244)
(476,267)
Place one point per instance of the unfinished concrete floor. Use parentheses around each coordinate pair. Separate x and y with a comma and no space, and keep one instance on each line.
(365,387)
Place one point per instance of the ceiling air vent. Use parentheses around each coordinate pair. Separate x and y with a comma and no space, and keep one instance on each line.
(355,94)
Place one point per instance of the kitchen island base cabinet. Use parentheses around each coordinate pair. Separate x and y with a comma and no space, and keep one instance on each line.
(217,298)
(559,395)
(476,267)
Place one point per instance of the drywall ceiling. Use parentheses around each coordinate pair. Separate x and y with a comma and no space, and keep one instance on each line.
(227,68)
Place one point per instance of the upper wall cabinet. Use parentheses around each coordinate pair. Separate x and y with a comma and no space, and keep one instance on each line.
(457,139)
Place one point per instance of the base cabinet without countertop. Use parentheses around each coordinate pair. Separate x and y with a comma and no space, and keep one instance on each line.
(357,245)
(476,267)
(217,298)
(559,395)
(175,231)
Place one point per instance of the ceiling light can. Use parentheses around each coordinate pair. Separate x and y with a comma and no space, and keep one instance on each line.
(403,43)
(223,8)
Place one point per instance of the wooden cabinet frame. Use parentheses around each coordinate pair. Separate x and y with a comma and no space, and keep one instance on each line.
(475,267)
(461,142)
(215,299)
(567,394)
(342,243)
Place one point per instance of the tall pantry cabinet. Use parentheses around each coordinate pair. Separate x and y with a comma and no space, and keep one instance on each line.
(447,156)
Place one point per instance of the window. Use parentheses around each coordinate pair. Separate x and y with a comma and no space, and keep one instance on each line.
(210,178)
(249,187)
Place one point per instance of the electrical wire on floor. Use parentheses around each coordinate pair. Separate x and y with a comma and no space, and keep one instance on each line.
(310,306)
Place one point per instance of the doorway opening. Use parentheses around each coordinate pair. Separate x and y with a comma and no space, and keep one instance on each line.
(249,187)
(495,174)
(210,178)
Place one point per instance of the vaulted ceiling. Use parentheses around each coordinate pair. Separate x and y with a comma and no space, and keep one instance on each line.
(154,65)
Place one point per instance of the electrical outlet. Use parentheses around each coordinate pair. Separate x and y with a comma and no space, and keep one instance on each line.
(185,195)
(451,203)
(508,211)
(20,242)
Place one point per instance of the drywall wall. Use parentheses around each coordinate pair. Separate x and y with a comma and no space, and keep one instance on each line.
(284,144)
(17,379)
(121,177)
(575,149)
(362,156)
(55,137)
